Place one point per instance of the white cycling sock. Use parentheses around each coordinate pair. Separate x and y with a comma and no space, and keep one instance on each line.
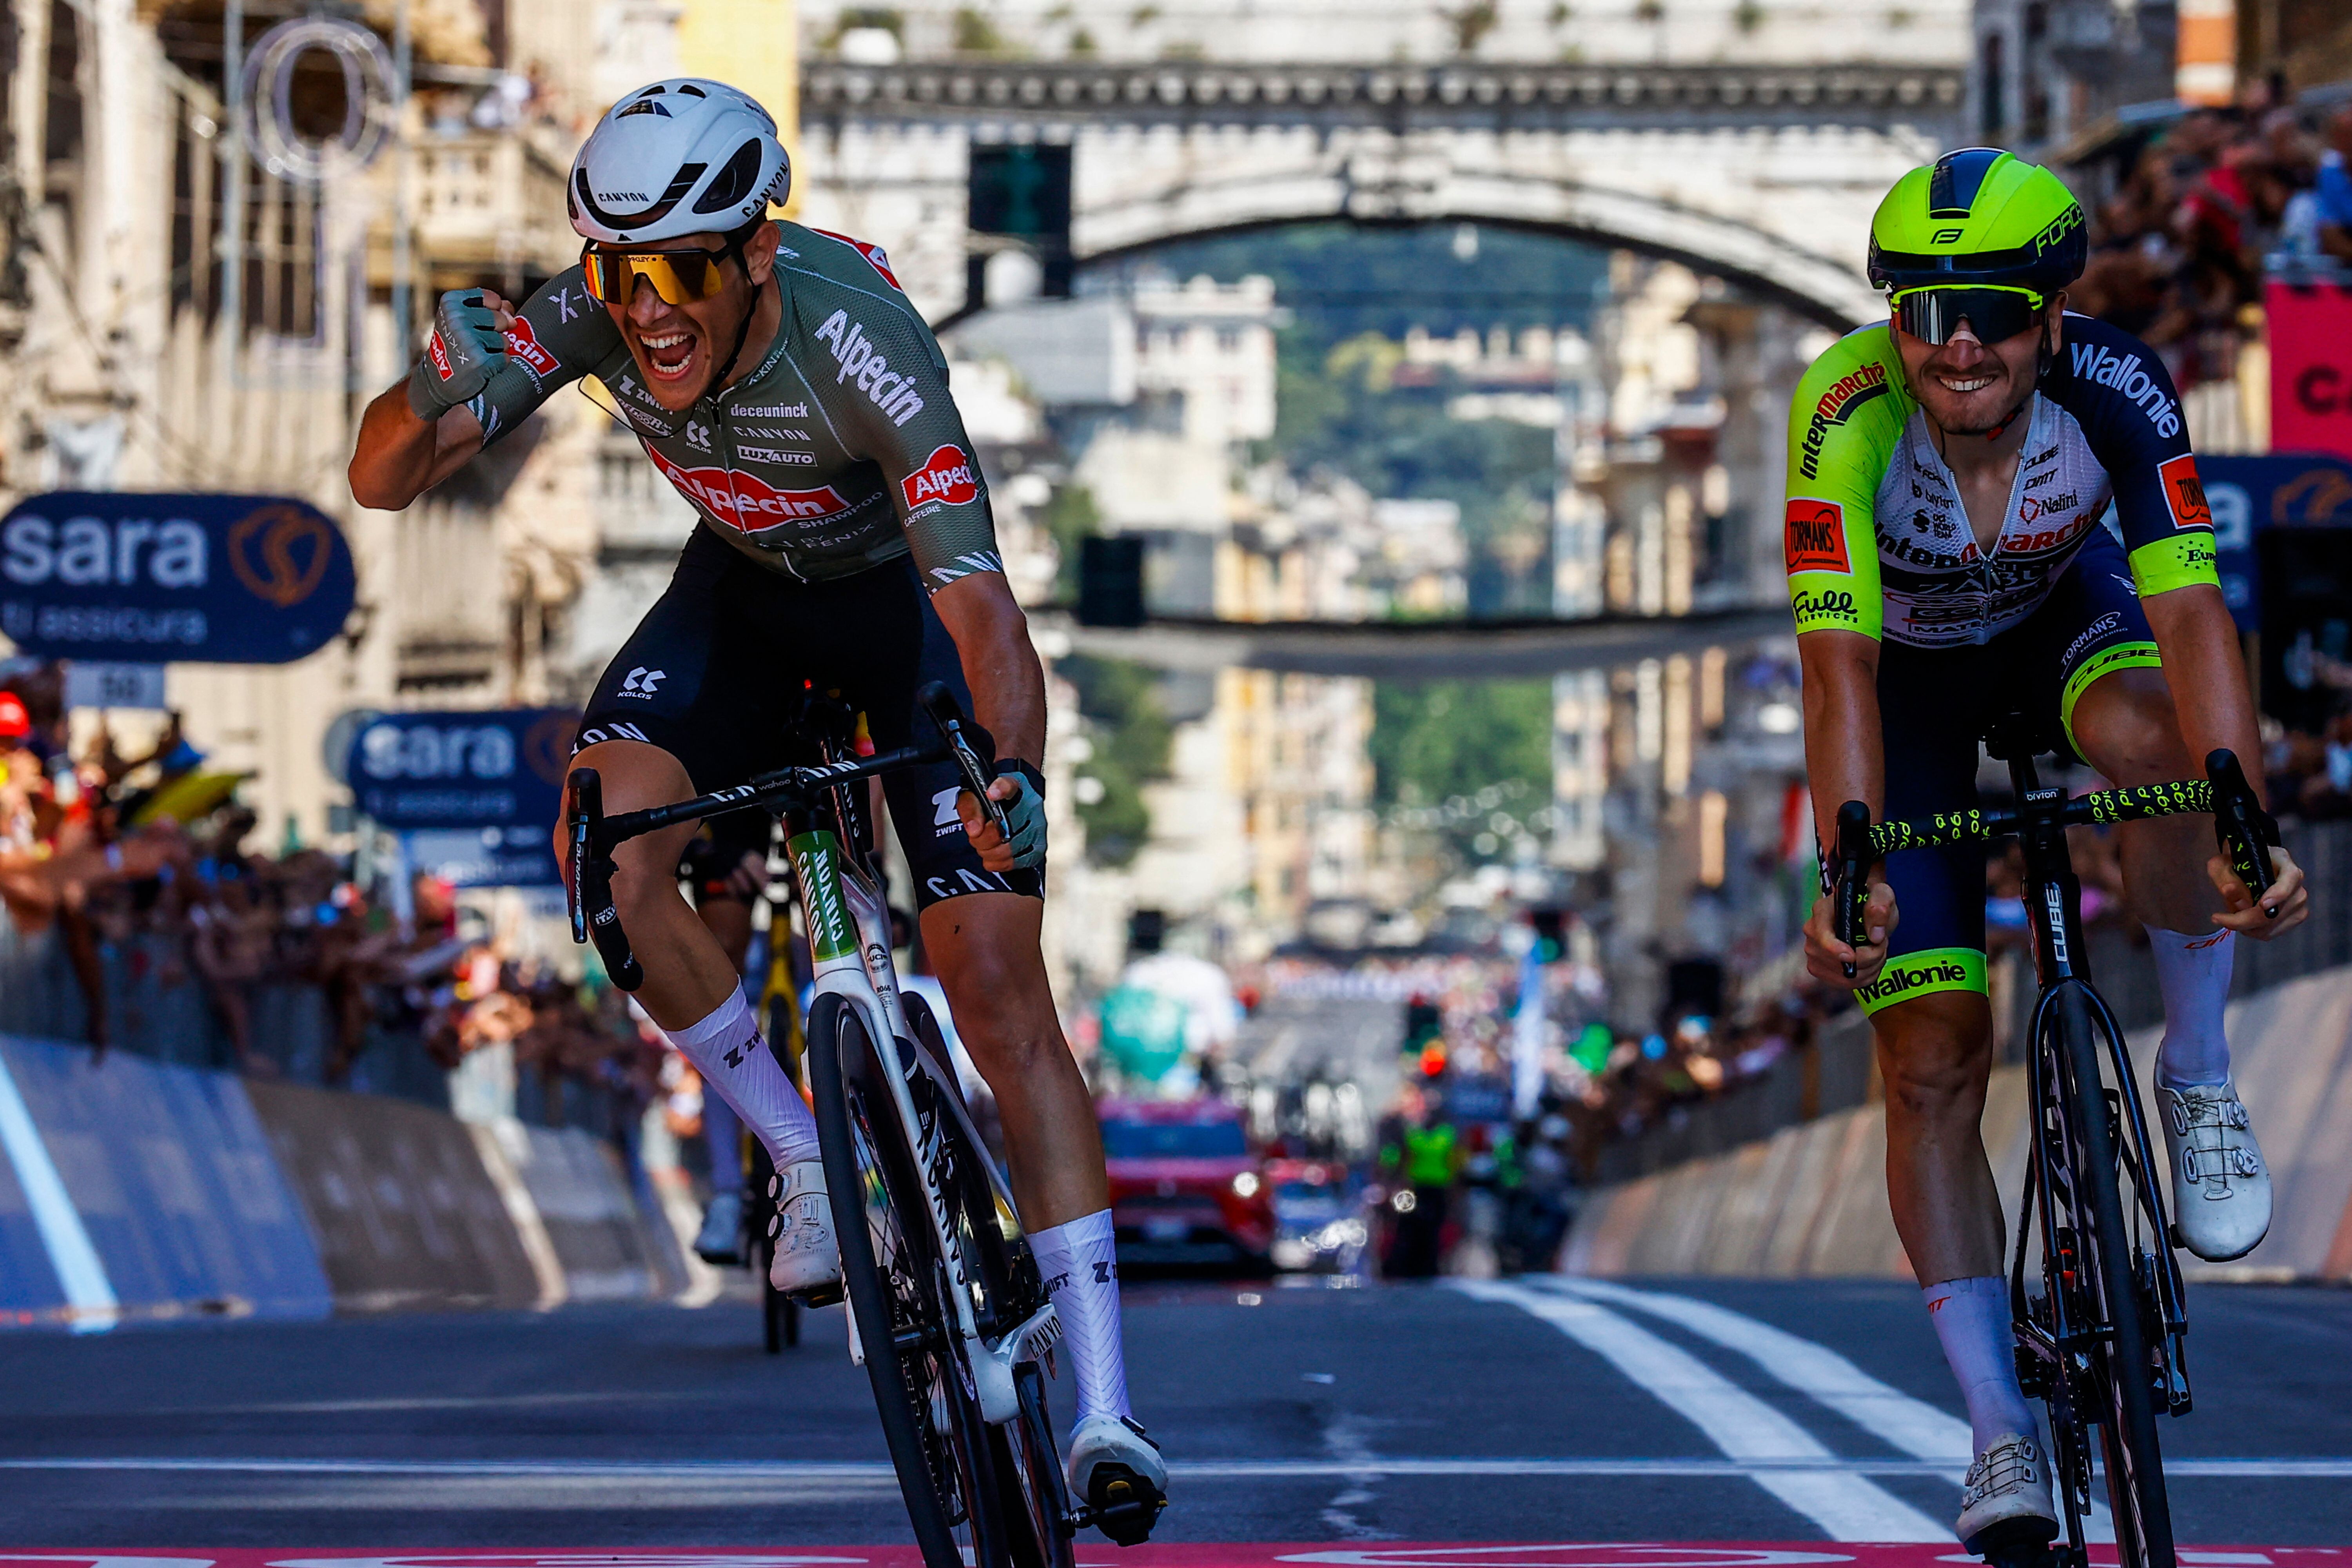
(2193,972)
(1972,1323)
(726,1048)
(1079,1263)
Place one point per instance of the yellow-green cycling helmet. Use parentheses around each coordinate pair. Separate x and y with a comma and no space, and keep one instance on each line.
(1980,218)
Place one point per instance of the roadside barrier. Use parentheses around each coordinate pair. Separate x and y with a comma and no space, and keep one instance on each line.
(1810,1200)
(134,1190)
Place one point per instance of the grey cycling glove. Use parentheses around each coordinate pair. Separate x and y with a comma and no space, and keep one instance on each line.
(1025,815)
(466,350)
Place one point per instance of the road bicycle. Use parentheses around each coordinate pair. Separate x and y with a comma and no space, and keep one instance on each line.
(2104,1343)
(947,1311)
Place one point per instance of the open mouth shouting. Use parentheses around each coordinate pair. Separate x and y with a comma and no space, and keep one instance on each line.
(668,356)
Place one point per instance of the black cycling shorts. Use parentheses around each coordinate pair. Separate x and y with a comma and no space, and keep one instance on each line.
(714,674)
(1934,706)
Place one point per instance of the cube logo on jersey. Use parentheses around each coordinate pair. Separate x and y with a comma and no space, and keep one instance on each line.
(523,343)
(745,502)
(1816,537)
(2184,492)
(945,480)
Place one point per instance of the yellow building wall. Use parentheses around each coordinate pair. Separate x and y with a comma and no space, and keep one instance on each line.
(753,44)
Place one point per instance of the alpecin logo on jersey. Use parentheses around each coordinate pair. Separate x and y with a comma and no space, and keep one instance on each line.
(1816,537)
(523,343)
(743,502)
(945,480)
(1836,407)
(439,353)
(892,392)
(873,254)
(2184,492)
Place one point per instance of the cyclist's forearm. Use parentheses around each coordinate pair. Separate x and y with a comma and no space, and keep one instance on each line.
(1844,759)
(399,457)
(2207,673)
(1008,684)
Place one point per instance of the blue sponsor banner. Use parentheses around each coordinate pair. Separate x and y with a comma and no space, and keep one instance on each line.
(172,1180)
(487,857)
(2249,494)
(464,772)
(133,577)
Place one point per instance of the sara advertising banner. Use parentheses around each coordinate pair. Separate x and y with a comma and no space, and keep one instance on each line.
(463,771)
(2311,367)
(2247,495)
(134,577)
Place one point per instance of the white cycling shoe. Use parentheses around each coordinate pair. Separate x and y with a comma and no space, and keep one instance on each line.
(2220,1187)
(1116,1471)
(807,1260)
(2009,1503)
(721,1240)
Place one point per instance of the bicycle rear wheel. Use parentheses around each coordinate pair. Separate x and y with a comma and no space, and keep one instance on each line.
(898,1289)
(2126,1370)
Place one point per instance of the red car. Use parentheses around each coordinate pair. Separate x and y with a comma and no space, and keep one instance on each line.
(1184,1186)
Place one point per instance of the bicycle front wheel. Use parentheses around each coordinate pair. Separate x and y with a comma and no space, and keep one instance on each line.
(2125,1368)
(898,1289)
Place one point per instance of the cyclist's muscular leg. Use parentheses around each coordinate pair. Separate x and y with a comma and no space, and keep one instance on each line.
(2124,726)
(990,963)
(1935,1054)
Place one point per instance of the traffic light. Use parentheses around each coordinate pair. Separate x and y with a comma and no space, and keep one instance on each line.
(1551,934)
(1110,579)
(1423,1022)
(1020,191)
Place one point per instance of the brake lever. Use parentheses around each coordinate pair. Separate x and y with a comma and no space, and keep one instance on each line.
(1850,899)
(595,918)
(937,701)
(2243,830)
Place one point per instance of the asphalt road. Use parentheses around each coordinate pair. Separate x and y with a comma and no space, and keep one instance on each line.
(1679,1411)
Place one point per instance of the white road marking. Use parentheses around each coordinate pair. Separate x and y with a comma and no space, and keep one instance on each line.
(1846,1506)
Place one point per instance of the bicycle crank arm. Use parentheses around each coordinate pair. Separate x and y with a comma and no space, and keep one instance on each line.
(1028,1342)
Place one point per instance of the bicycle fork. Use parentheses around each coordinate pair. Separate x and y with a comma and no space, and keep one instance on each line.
(849,942)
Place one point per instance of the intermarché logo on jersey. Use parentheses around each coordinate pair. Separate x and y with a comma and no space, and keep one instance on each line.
(746,501)
(1837,406)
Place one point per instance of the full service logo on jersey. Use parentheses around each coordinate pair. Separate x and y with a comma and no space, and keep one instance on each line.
(2184,492)
(1816,537)
(745,502)
(1837,406)
(945,479)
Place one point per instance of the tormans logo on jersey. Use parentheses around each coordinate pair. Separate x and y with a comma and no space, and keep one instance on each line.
(523,343)
(1816,540)
(2184,492)
(873,254)
(1837,406)
(945,480)
(2104,367)
(892,393)
(746,502)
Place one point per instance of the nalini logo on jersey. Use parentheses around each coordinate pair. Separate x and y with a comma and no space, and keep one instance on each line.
(892,392)
(945,479)
(523,343)
(745,500)
(1835,407)
(2184,492)
(873,254)
(2104,367)
(1816,537)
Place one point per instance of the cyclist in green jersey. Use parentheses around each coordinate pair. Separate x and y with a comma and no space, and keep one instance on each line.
(782,383)
(1948,472)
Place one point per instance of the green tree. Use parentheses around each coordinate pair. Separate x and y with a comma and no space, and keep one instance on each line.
(1463,758)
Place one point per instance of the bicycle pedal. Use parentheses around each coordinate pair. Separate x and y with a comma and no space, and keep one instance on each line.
(818,1295)
(1124,1506)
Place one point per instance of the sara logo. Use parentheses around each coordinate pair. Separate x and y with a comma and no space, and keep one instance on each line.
(1835,407)
(745,502)
(522,343)
(280,553)
(1816,537)
(2184,492)
(945,480)
(873,254)
(547,745)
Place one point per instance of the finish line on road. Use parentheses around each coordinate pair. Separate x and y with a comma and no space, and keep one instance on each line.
(1211,1554)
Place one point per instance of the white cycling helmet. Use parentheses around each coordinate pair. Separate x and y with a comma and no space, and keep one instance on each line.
(682,156)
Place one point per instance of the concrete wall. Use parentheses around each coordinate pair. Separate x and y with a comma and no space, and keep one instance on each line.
(1810,1200)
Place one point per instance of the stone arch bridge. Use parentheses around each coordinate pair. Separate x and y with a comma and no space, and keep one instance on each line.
(1765,175)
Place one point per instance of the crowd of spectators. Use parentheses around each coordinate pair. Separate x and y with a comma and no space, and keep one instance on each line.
(139,868)
(2179,246)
